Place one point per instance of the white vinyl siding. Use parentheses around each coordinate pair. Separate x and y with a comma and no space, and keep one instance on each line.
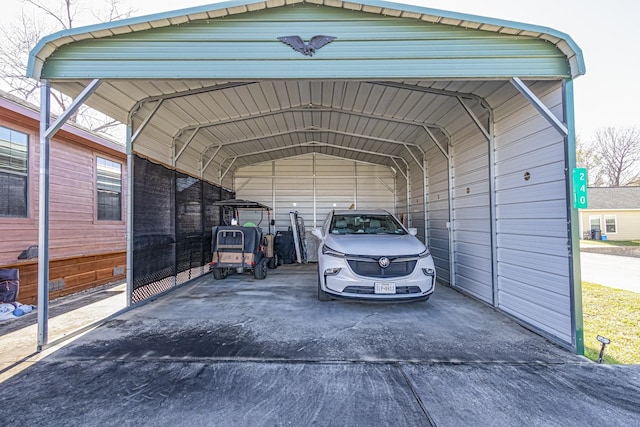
(627,223)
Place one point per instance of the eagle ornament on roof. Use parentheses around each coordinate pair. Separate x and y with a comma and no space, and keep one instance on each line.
(307,49)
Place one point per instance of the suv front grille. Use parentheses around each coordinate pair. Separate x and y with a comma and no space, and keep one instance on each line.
(371,268)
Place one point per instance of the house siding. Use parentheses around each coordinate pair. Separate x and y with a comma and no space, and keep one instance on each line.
(84,251)
(627,223)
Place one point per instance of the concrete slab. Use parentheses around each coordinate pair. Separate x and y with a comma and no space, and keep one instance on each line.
(67,315)
(529,394)
(281,319)
(246,352)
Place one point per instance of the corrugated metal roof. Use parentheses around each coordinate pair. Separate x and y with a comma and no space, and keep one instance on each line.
(48,45)
(614,198)
(210,95)
(241,125)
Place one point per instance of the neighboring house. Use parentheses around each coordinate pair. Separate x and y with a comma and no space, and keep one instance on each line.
(87,229)
(614,211)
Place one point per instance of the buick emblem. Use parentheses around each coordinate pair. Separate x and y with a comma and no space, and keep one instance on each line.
(384,262)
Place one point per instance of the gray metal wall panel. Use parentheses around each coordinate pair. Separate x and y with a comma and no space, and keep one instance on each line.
(375,193)
(534,209)
(471,222)
(536,312)
(438,206)
(293,194)
(533,266)
(338,184)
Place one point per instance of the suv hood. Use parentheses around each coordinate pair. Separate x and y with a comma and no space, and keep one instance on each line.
(375,244)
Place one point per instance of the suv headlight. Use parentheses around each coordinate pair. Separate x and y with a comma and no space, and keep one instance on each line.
(424,254)
(326,250)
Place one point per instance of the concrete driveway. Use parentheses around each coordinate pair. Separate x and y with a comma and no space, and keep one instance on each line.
(242,352)
(615,271)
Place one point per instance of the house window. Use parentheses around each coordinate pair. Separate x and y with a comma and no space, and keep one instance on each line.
(109,186)
(610,224)
(14,171)
(594,223)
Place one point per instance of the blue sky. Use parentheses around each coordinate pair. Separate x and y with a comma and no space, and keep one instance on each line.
(607,32)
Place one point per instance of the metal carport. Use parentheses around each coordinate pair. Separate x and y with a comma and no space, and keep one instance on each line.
(473,115)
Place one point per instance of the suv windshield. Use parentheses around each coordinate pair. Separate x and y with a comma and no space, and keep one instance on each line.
(365,224)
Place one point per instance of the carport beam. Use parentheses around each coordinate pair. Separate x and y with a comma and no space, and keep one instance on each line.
(475,119)
(315,143)
(77,103)
(204,168)
(227,170)
(184,147)
(146,121)
(539,105)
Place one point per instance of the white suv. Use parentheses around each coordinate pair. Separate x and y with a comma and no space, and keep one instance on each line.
(368,254)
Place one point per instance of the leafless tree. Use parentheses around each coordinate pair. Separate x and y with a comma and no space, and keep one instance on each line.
(587,157)
(39,18)
(618,150)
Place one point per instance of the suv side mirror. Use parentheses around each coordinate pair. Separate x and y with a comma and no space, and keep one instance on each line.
(316,232)
(413,231)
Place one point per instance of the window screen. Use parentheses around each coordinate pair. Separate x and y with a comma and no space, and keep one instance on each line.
(610,223)
(109,186)
(14,170)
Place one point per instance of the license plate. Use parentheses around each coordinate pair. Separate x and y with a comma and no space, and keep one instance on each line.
(385,287)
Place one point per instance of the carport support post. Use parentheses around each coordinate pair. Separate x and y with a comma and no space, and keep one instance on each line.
(574,223)
(129,142)
(567,130)
(425,205)
(493,212)
(47,130)
(43,217)
(451,228)
(408,197)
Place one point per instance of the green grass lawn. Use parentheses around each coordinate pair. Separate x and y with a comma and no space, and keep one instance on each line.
(614,314)
(611,242)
